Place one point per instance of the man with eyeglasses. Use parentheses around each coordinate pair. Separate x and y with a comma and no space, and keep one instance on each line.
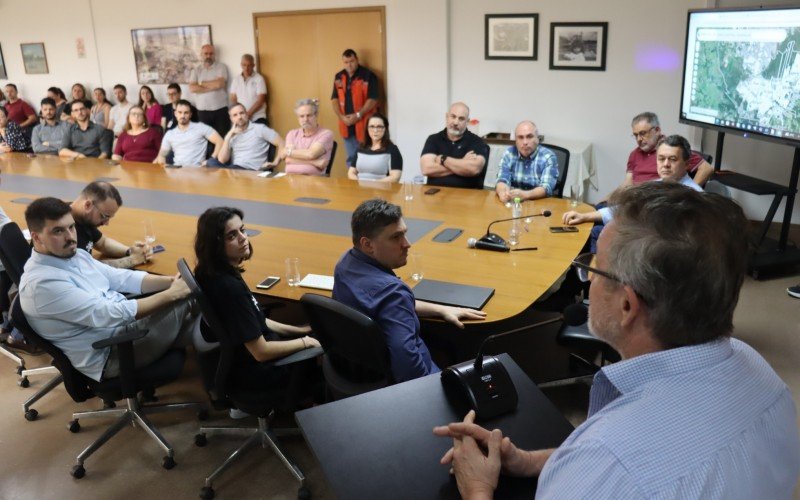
(95,206)
(83,138)
(689,412)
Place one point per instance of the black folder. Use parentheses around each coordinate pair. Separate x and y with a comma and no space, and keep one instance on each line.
(453,294)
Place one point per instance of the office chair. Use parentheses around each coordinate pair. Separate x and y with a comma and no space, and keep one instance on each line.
(130,381)
(14,253)
(356,357)
(226,393)
(562,155)
(329,166)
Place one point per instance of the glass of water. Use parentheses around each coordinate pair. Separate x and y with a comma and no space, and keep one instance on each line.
(292,271)
(575,195)
(149,232)
(415,264)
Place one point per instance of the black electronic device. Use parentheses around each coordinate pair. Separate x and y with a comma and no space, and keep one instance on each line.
(268,283)
(484,385)
(494,240)
(173,166)
(488,245)
(448,235)
(431,191)
(563,229)
(158,249)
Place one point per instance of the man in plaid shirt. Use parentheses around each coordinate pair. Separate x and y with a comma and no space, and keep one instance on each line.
(527,170)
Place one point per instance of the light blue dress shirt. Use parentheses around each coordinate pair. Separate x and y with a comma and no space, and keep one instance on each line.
(707,421)
(608,214)
(77,301)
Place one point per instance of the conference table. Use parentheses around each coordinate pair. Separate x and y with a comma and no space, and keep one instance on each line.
(308,218)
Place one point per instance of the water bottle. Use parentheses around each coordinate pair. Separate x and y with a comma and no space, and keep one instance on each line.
(516,226)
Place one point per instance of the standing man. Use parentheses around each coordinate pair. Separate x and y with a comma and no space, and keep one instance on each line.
(354,99)
(689,412)
(84,138)
(19,111)
(247,144)
(48,136)
(119,112)
(189,140)
(527,170)
(455,156)
(308,148)
(209,82)
(250,90)
(364,280)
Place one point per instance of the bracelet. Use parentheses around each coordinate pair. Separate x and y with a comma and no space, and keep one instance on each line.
(303,340)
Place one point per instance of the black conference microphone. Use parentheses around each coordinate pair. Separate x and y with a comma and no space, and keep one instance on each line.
(495,238)
(484,385)
(487,245)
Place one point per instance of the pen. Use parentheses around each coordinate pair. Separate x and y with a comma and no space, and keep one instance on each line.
(526,248)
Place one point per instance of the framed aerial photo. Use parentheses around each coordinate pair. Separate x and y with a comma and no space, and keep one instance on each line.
(512,36)
(3,74)
(167,55)
(34,58)
(578,46)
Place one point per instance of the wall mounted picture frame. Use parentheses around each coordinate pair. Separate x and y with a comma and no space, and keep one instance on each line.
(578,46)
(511,37)
(3,74)
(167,55)
(34,58)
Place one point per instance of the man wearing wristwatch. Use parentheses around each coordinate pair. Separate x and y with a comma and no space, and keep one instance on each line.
(354,100)
(455,156)
(95,206)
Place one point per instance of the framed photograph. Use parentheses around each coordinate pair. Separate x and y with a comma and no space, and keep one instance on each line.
(34,58)
(578,46)
(512,36)
(167,55)
(3,74)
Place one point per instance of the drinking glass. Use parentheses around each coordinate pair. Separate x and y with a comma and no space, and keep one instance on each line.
(292,271)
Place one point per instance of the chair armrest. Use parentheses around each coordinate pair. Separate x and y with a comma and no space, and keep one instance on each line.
(300,356)
(119,339)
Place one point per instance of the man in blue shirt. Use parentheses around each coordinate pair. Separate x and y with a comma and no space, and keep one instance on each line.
(364,280)
(527,170)
(689,412)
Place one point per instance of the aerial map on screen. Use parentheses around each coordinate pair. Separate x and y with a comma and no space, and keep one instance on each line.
(743,71)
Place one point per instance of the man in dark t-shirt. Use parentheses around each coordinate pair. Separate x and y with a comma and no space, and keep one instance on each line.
(455,156)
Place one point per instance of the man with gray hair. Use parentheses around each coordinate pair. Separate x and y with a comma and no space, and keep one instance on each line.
(250,90)
(363,279)
(209,83)
(308,148)
(689,412)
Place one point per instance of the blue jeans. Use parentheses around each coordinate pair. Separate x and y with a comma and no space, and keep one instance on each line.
(350,148)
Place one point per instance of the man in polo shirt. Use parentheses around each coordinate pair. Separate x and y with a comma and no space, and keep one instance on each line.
(308,148)
(354,99)
(455,156)
(48,136)
(119,112)
(84,138)
(19,111)
(250,90)
(247,144)
(209,82)
(527,170)
(188,141)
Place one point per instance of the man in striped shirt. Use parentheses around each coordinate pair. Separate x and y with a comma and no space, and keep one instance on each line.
(689,412)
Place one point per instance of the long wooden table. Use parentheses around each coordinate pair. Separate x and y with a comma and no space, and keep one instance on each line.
(519,278)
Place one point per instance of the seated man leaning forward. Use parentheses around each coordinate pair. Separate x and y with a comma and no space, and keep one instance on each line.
(189,140)
(247,144)
(73,300)
(689,412)
(364,280)
(527,170)
(308,148)
(455,156)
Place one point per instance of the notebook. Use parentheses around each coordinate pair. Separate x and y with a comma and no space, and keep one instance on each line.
(318,281)
(453,294)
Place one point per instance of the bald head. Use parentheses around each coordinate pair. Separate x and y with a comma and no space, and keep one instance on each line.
(457,119)
(526,138)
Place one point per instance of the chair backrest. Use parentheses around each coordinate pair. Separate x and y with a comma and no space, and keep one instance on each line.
(562,155)
(77,384)
(14,251)
(329,166)
(353,340)
(717,187)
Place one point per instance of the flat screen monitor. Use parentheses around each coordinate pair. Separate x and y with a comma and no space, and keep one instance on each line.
(741,72)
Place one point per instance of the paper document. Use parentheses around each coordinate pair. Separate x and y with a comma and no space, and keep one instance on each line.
(318,281)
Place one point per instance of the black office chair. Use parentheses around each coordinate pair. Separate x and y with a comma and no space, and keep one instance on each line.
(562,154)
(329,166)
(356,357)
(225,393)
(126,386)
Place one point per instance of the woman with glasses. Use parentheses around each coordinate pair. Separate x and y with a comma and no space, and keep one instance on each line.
(138,140)
(377,159)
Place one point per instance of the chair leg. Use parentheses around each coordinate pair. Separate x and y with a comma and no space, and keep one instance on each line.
(13,357)
(49,386)
(251,441)
(149,410)
(148,426)
(269,438)
(108,434)
(103,413)
(44,370)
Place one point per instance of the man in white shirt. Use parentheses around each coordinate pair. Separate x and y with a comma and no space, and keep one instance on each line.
(247,144)
(188,140)
(249,89)
(119,112)
(209,82)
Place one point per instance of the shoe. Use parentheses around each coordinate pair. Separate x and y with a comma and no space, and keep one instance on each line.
(238,414)
(21,345)
(794,291)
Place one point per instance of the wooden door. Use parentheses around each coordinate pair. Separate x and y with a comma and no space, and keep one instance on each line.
(300,52)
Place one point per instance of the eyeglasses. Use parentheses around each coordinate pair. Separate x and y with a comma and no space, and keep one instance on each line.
(585,271)
(102,215)
(642,134)
(376,127)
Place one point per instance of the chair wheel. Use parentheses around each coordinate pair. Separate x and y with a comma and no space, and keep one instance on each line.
(202,414)
(74,426)
(19,370)
(109,404)
(168,463)
(200,440)
(31,415)
(78,471)
(303,493)
(207,493)
(24,382)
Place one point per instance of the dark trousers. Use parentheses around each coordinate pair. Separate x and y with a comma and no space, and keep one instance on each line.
(218,119)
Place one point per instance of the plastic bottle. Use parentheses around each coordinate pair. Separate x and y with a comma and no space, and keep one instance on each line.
(516,226)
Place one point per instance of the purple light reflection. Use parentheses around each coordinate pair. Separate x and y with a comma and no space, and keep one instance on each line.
(657,58)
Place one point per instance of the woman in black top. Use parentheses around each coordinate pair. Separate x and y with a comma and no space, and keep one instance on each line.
(221,247)
(377,159)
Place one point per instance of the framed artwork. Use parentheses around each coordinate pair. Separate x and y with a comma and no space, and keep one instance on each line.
(34,58)
(167,55)
(578,46)
(3,74)
(512,36)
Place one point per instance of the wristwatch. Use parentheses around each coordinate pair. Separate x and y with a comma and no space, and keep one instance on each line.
(358,114)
